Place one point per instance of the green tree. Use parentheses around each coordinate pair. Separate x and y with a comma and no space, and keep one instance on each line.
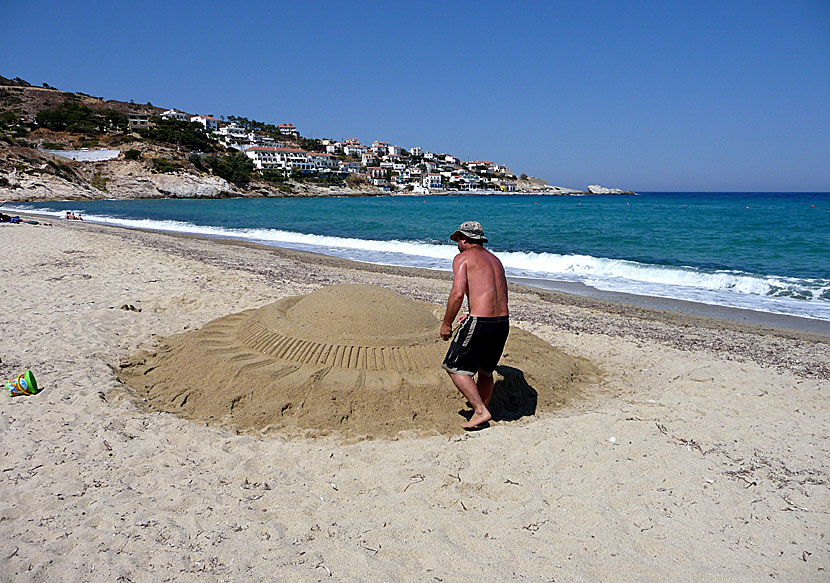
(7,119)
(271,175)
(312,145)
(235,167)
(196,160)
(165,165)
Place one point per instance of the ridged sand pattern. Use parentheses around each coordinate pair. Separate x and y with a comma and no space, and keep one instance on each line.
(397,358)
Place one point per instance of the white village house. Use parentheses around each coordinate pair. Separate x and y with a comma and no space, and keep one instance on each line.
(210,123)
(322,161)
(287,129)
(354,150)
(350,167)
(432,181)
(175,114)
(231,130)
(286,159)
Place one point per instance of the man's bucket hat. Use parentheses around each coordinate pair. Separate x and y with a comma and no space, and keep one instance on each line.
(472,230)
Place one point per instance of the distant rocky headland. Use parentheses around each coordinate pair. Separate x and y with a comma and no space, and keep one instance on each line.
(57,145)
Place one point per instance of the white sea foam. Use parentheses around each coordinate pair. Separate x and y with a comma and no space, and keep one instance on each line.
(769,293)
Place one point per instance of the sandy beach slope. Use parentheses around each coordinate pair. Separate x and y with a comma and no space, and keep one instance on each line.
(699,453)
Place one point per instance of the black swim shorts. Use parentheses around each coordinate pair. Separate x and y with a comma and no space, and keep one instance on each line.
(478,344)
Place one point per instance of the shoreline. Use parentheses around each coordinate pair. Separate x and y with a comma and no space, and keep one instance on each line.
(687,307)
(697,437)
(756,319)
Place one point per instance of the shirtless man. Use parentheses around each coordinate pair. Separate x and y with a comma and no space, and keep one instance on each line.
(480,339)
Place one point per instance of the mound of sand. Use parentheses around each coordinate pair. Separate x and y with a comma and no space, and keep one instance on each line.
(355,360)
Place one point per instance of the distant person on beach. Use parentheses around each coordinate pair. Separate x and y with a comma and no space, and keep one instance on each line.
(480,339)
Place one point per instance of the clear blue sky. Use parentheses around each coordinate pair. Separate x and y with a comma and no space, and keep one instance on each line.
(651,95)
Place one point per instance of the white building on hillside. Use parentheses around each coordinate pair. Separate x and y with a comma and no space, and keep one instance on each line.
(432,181)
(321,160)
(210,123)
(288,129)
(174,114)
(354,151)
(479,165)
(285,159)
(416,151)
(232,131)
(261,139)
(380,148)
(262,157)
(294,160)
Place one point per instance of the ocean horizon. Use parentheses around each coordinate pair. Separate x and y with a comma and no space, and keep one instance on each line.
(765,252)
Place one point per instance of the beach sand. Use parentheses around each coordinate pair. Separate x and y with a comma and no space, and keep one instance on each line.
(698,451)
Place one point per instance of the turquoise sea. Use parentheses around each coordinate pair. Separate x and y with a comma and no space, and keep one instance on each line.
(762,251)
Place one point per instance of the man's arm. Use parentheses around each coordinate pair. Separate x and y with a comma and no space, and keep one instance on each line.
(456,299)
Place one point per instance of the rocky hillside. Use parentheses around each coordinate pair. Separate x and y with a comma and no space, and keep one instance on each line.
(148,166)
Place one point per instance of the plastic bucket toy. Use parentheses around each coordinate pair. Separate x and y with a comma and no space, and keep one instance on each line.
(24,384)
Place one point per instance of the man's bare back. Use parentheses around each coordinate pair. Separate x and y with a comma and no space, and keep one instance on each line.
(486,283)
(478,275)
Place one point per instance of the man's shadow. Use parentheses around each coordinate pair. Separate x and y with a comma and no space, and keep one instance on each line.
(513,397)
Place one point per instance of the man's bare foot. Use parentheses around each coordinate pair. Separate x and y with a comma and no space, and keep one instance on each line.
(477,419)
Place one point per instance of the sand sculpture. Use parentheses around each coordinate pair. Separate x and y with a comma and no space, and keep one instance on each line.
(357,361)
